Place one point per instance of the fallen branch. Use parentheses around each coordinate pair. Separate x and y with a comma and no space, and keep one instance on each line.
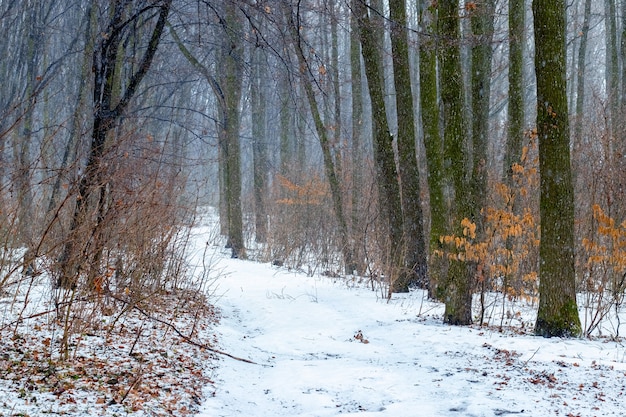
(179,333)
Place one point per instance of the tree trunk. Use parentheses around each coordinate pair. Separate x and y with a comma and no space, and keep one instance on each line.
(329,165)
(580,86)
(433,143)
(482,23)
(415,259)
(77,118)
(106,113)
(612,64)
(286,122)
(558,311)
(356,81)
(232,80)
(457,289)
(259,145)
(515,110)
(24,136)
(386,174)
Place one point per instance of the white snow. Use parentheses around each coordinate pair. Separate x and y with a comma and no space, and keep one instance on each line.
(301,332)
(320,346)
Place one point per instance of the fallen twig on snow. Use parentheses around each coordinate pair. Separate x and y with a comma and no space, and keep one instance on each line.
(179,333)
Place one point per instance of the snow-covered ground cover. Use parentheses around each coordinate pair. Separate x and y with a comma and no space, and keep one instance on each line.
(324,347)
(321,347)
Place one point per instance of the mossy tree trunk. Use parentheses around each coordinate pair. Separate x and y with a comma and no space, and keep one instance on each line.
(386,173)
(433,142)
(415,259)
(286,122)
(482,24)
(457,289)
(232,79)
(558,312)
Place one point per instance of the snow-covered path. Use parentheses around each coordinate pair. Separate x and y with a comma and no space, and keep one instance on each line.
(300,332)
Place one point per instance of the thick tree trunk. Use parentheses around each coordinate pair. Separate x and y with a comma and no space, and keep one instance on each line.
(482,24)
(415,258)
(558,312)
(457,288)
(232,81)
(433,143)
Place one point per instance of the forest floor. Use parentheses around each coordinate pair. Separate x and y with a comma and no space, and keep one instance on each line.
(319,346)
(326,347)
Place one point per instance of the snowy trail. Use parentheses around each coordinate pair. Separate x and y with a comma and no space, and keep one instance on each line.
(300,331)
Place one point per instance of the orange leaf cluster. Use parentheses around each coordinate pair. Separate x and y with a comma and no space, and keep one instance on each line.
(312,193)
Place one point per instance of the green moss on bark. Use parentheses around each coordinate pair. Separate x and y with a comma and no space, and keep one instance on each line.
(565,323)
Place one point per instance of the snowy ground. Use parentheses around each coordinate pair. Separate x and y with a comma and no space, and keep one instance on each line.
(324,348)
(320,347)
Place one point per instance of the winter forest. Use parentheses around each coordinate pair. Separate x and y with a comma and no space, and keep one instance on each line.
(471,150)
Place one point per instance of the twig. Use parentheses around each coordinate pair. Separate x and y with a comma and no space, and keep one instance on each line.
(184,337)
(531,356)
(133,385)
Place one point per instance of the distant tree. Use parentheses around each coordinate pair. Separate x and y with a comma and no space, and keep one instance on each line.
(580,88)
(612,75)
(558,311)
(357,147)
(258,98)
(227,87)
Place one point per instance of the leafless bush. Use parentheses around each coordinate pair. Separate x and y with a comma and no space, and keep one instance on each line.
(128,245)
(302,232)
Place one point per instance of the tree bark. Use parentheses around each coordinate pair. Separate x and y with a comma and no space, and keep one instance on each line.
(457,288)
(357,144)
(259,146)
(515,109)
(482,25)
(612,64)
(415,259)
(386,174)
(232,81)
(580,86)
(433,142)
(558,311)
